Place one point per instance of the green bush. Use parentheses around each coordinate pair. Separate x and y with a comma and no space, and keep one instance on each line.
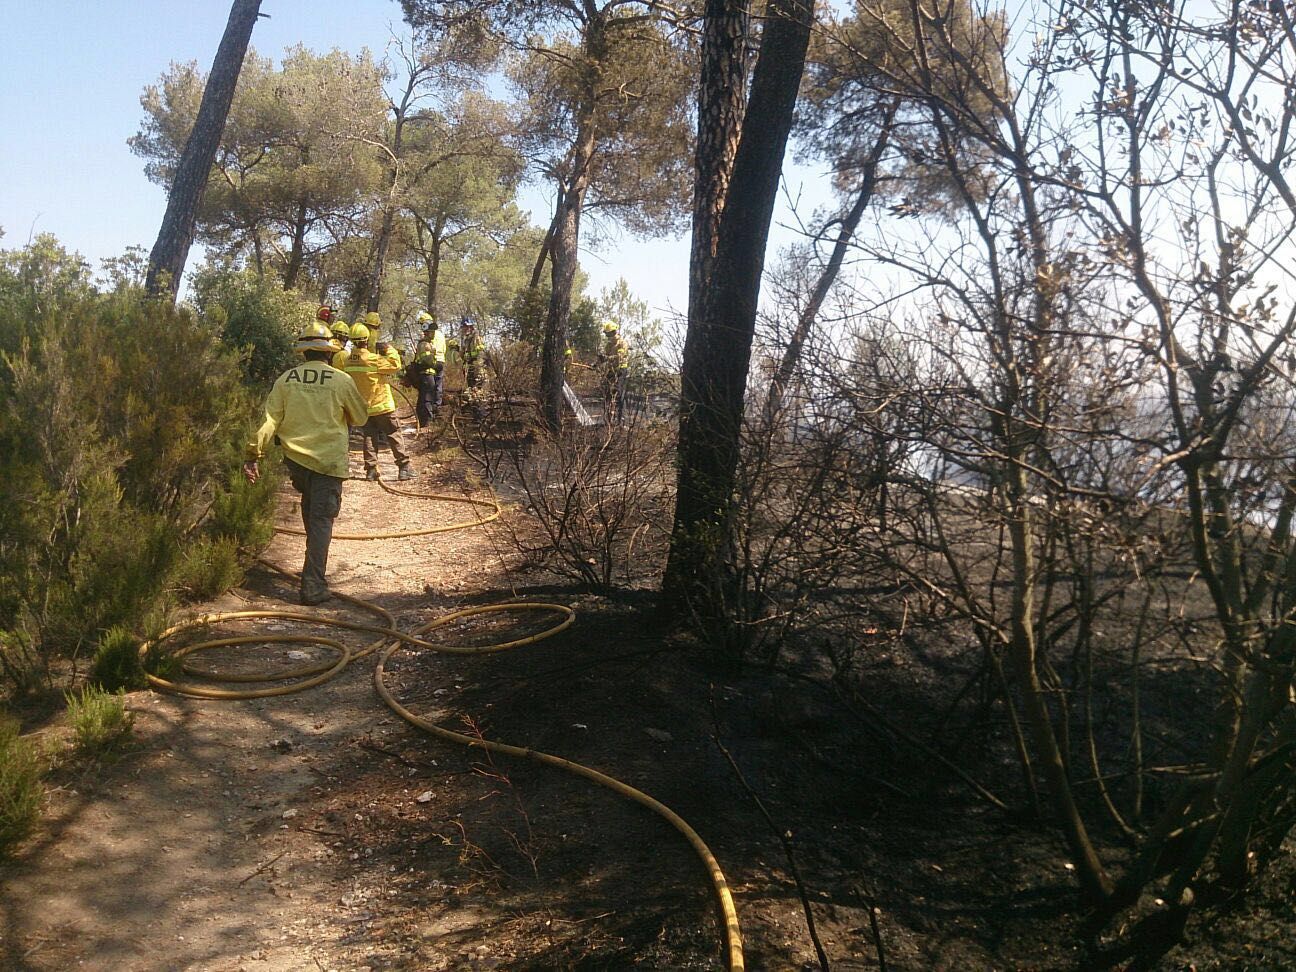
(167,392)
(33,282)
(254,315)
(525,320)
(21,790)
(99,720)
(208,567)
(116,661)
(122,422)
(244,511)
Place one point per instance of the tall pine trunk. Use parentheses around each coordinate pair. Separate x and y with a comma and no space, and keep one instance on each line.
(722,96)
(717,348)
(564,247)
(387,228)
(546,246)
(434,279)
(381,245)
(297,255)
(171,251)
(564,260)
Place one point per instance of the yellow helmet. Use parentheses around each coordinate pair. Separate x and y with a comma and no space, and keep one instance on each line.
(359,333)
(316,337)
(341,330)
(373,321)
(609,327)
(424,317)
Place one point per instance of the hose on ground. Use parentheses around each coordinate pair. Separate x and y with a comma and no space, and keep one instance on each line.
(389,640)
(733,933)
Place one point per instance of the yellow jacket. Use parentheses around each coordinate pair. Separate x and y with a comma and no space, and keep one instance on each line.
(369,372)
(310,407)
(615,354)
(432,351)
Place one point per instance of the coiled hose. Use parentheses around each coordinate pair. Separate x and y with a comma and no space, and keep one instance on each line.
(390,636)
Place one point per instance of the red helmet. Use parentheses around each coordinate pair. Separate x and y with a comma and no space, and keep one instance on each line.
(325,314)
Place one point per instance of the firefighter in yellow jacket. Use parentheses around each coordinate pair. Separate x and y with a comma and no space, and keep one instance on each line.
(370,372)
(341,335)
(308,411)
(615,359)
(428,369)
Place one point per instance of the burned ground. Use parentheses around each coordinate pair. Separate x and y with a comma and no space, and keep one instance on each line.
(319,831)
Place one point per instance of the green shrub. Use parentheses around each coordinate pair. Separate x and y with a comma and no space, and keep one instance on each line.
(245,511)
(116,661)
(99,720)
(21,790)
(253,315)
(163,388)
(122,422)
(525,319)
(24,666)
(117,568)
(34,281)
(208,567)
(75,556)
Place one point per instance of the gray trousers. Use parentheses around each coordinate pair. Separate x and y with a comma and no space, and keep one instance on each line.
(381,427)
(321,500)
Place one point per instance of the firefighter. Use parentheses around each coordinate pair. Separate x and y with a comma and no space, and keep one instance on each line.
(382,345)
(429,366)
(308,411)
(370,371)
(416,374)
(472,350)
(341,335)
(615,359)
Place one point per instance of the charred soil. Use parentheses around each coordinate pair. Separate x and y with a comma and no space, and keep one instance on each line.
(319,831)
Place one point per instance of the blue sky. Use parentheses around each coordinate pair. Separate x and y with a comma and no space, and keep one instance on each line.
(69,98)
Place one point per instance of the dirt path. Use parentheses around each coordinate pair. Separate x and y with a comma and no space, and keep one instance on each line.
(317,831)
(231,837)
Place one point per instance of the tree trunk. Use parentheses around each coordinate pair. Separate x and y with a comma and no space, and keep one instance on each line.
(381,245)
(722,96)
(297,254)
(563,263)
(358,299)
(383,242)
(546,246)
(564,251)
(434,268)
(1022,650)
(171,251)
(717,348)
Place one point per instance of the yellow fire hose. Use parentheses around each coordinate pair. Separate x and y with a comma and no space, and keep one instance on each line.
(733,934)
(394,639)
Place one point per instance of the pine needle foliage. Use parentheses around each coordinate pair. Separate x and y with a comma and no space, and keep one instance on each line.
(122,421)
(21,790)
(99,719)
(116,661)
